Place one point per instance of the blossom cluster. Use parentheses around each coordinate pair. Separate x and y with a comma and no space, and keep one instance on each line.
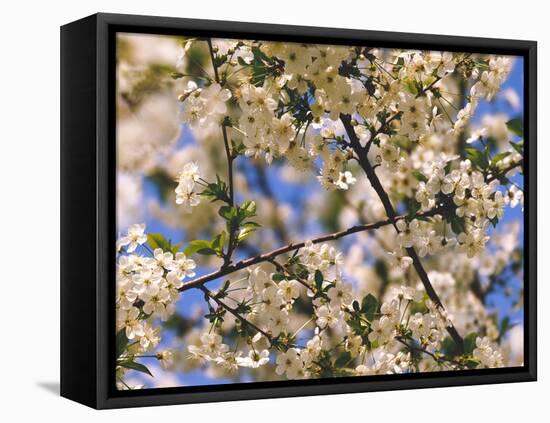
(292,109)
(185,191)
(147,288)
(378,340)
(489,77)
(204,106)
(487,353)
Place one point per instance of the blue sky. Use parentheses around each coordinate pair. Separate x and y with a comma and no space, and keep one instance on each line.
(499,105)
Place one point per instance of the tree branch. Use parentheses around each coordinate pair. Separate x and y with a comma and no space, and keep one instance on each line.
(504,171)
(436,358)
(230,158)
(439,78)
(269,256)
(235,313)
(383,127)
(285,270)
(224,128)
(384,198)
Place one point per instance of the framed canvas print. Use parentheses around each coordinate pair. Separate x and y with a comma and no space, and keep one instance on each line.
(254,211)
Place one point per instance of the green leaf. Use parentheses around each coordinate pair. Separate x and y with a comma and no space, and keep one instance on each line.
(505,326)
(162,183)
(470,343)
(158,241)
(241,61)
(414,206)
(319,278)
(129,364)
(197,245)
(217,191)
(342,359)
(448,346)
(207,251)
(176,248)
(420,176)
(227,212)
(477,157)
(369,307)
(428,81)
(259,68)
(121,342)
(518,146)
(410,85)
(515,126)
(222,292)
(277,277)
(240,149)
(248,208)
(259,54)
(381,270)
(226,285)
(355,324)
(251,223)
(246,231)
(219,241)
(457,225)
(342,373)
(498,157)
(471,362)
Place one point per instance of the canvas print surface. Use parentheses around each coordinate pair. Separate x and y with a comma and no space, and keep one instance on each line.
(299,211)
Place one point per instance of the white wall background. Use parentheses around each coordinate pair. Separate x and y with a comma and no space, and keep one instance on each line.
(29,229)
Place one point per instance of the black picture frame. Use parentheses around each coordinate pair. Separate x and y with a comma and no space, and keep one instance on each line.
(88,210)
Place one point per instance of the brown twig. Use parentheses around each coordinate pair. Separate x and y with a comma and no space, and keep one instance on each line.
(439,78)
(230,158)
(438,359)
(286,271)
(272,254)
(235,313)
(388,207)
(266,257)
(504,171)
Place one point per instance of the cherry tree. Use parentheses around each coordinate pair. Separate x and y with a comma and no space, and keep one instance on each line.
(414,191)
